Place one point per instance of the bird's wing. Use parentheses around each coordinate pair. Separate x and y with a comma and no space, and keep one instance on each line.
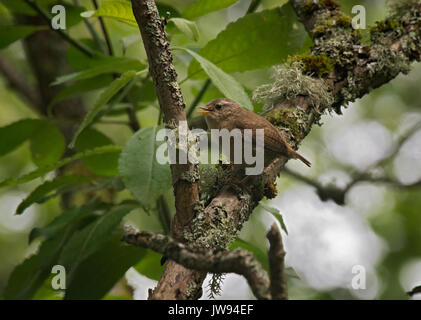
(272,136)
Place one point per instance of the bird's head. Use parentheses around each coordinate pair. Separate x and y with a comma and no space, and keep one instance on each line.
(220,109)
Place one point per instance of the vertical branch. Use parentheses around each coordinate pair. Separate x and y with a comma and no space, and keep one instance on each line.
(278,286)
(171,102)
(177,282)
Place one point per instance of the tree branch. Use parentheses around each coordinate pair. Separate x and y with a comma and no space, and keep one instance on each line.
(176,281)
(237,261)
(331,192)
(80,46)
(17,81)
(278,286)
(171,102)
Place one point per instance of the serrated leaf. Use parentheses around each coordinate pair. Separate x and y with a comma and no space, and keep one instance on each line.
(105,96)
(189,28)
(10,34)
(97,274)
(202,7)
(275,212)
(44,170)
(223,81)
(44,189)
(255,41)
(102,66)
(86,241)
(141,173)
(60,223)
(119,10)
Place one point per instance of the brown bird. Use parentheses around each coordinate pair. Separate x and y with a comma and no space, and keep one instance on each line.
(225,113)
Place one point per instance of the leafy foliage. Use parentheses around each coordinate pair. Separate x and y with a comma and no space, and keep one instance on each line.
(223,81)
(202,7)
(256,41)
(141,173)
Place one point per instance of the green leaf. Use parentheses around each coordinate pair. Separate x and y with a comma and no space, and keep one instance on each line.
(122,11)
(44,189)
(73,15)
(88,240)
(141,173)
(223,81)
(20,7)
(105,96)
(47,144)
(10,34)
(104,165)
(102,66)
(27,277)
(150,265)
(255,41)
(189,28)
(59,224)
(82,86)
(97,274)
(44,170)
(17,133)
(275,212)
(259,254)
(202,7)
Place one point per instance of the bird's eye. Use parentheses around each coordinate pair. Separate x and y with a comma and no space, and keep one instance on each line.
(218,107)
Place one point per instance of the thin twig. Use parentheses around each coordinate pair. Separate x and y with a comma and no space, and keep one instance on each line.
(90,28)
(331,192)
(81,47)
(104,31)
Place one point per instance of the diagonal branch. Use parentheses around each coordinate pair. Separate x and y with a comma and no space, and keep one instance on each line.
(17,81)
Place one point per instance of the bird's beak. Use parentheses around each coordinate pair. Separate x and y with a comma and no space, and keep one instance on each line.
(205,110)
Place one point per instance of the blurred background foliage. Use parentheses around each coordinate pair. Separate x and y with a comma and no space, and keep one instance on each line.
(378,226)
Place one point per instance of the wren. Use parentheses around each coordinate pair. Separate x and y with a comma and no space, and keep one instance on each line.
(225,113)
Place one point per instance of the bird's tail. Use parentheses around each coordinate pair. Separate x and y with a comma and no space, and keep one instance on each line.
(296,155)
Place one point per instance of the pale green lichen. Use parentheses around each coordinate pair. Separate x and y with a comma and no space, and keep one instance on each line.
(218,230)
(289,82)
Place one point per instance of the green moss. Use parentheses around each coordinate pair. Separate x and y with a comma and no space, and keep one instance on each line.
(291,120)
(389,24)
(329,21)
(319,65)
(309,7)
